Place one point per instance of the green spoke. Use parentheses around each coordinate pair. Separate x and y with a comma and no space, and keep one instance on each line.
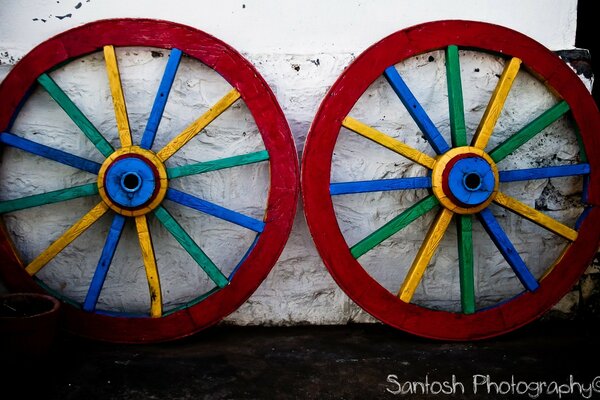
(458,130)
(582,154)
(395,225)
(190,246)
(76,115)
(48,198)
(193,302)
(465,262)
(529,131)
(207,166)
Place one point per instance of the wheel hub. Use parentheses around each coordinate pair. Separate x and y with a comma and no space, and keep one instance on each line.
(465,180)
(132,181)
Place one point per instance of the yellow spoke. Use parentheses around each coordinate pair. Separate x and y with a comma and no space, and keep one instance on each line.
(71,234)
(428,248)
(535,216)
(388,142)
(494,107)
(141,224)
(114,80)
(195,127)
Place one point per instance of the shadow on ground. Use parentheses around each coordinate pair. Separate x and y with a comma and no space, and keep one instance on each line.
(342,362)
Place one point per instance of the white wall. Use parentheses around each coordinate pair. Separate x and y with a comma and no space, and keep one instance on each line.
(284,40)
(290,27)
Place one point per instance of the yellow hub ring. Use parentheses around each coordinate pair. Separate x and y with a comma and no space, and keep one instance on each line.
(161,183)
(438,176)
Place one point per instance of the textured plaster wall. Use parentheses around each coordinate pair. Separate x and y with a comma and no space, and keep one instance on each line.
(300,48)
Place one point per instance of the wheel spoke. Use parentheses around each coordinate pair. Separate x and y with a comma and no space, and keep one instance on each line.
(507,249)
(161,99)
(214,165)
(585,190)
(193,302)
(458,130)
(48,198)
(71,234)
(428,247)
(108,251)
(215,210)
(529,131)
(464,226)
(196,127)
(191,247)
(544,172)
(416,111)
(494,107)
(381,185)
(141,224)
(49,153)
(243,259)
(586,178)
(393,226)
(388,142)
(535,216)
(84,124)
(582,153)
(584,214)
(116,89)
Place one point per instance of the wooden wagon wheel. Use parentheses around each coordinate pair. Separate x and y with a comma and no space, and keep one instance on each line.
(461,182)
(134,180)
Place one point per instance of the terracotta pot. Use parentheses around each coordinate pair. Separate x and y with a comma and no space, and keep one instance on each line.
(28,323)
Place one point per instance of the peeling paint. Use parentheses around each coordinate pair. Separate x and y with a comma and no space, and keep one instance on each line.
(8,59)
(59,17)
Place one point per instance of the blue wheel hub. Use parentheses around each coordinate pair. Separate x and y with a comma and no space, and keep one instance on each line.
(471,181)
(131,182)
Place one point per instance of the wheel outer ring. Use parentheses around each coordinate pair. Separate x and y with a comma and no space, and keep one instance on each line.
(316,169)
(271,123)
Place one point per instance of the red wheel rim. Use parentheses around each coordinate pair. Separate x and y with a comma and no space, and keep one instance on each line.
(269,119)
(316,170)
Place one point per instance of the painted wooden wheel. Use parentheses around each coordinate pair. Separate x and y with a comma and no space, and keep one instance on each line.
(131,181)
(431,180)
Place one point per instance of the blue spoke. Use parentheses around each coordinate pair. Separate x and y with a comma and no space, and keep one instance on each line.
(114,234)
(215,210)
(582,217)
(416,111)
(239,264)
(161,99)
(507,249)
(544,172)
(420,182)
(47,152)
(585,190)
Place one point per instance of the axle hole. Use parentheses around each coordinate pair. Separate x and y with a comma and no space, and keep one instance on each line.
(472,181)
(131,181)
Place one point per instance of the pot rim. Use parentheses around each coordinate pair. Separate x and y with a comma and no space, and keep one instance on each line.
(40,296)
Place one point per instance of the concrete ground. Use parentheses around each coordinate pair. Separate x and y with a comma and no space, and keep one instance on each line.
(341,362)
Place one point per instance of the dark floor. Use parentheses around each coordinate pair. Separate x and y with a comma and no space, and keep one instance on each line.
(349,362)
